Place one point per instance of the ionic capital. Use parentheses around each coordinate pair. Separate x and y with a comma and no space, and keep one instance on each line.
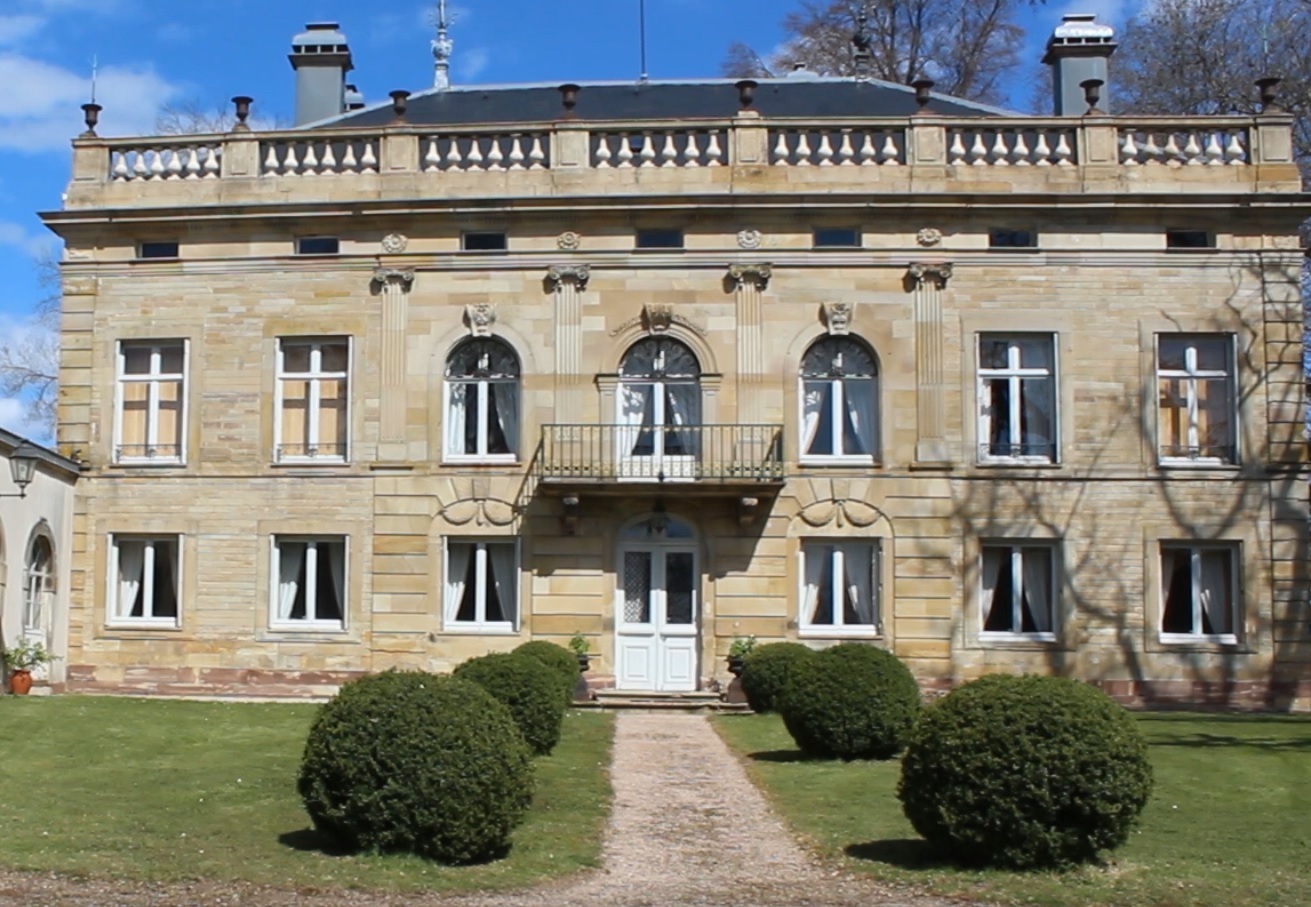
(402,276)
(937,271)
(557,275)
(756,274)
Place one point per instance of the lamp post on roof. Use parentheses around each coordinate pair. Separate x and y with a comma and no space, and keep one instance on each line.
(22,468)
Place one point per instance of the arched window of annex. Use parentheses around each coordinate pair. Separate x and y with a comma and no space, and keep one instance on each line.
(38,579)
(482,398)
(839,401)
(659,401)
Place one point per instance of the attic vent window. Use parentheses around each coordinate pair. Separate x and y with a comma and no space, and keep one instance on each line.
(1176,238)
(158,250)
(659,239)
(837,238)
(1012,239)
(317,245)
(484,242)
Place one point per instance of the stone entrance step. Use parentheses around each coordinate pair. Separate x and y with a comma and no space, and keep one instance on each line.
(682,702)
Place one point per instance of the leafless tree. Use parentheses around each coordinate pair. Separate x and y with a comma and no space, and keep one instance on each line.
(29,359)
(193,118)
(967,48)
(1180,57)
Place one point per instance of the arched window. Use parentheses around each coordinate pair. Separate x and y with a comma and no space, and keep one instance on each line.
(839,400)
(482,401)
(659,404)
(38,582)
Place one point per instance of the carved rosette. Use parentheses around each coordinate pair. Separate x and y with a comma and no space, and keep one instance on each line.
(749,239)
(579,274)
(568,241)
(754,274)
(395,243)
(837,317)
(939,272)
(929,236)
(480,316)
(402,276)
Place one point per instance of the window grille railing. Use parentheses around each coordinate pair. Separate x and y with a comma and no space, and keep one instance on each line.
(672,453)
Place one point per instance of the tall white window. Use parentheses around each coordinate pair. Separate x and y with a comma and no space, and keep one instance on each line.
(1017,591)
(38,583)
(839,401)
(144,575)
(482,401)
(1017,398)
(150,415)
(659,410)
(482,585)
(309,588)
(840,588)
(1199,593)
(312,400)
(1195,416)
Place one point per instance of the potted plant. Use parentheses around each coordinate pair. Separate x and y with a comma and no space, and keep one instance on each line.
(579,645)
(738,651)
(20,660)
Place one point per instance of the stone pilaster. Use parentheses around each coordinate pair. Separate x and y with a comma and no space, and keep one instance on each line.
(394,286)
(749,283)
(568,283)
(929,279)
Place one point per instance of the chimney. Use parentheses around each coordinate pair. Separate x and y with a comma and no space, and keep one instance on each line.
(321,60)
(354,98)
(1077,51)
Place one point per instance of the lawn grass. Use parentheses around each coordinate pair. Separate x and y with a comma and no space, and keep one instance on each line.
(1229,822)
(168,790)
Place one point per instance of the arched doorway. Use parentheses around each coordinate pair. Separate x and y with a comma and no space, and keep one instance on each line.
(657,611)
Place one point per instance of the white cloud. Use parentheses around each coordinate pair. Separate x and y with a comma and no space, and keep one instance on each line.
(36,245)
(41,106)
(470,64)
(14,416)
(14,29)
(173,33)
(1112,12)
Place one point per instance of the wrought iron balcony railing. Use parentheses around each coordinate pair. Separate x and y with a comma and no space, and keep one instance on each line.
(725,454)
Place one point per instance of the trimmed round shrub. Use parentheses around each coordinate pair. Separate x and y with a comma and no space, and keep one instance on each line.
(559,659)
(528,688)
(1025,772)
(765,672)
(420,763)
(850,701)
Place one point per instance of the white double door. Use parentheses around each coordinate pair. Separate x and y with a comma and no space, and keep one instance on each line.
(656,622)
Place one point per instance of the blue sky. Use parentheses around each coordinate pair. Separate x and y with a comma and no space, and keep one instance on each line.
(152,52)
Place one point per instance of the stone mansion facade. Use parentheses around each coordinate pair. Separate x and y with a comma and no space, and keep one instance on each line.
(668,364)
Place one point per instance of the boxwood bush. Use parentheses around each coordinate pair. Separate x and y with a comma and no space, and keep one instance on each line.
(415,762)
(1025,772)
(528,688)
(559,659)
(850,701)
(765,671)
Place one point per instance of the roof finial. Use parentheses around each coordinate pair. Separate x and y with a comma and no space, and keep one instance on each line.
(441,51)
(861,42)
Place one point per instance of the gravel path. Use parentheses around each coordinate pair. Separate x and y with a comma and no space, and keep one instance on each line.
(688,828)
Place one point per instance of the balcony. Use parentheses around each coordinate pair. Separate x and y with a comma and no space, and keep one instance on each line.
(731,459)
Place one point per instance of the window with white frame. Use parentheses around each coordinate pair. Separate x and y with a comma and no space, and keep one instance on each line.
(482,401)
(1017,398)
(482,584)
(312,400)
(1017,591)
(839,401)
(309,588)
(840,588)
(1195,413)
(38,583)
(150,416)
(144,574)
(1199,593)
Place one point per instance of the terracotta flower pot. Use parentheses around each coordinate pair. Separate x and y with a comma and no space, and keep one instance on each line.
(20,682)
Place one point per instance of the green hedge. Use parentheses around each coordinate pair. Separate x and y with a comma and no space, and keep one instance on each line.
(559,659)
(765,672)
(850,701)
(408,761)
(1025,772)
(528,688)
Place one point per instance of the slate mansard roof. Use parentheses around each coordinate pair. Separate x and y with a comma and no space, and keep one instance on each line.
(801,98)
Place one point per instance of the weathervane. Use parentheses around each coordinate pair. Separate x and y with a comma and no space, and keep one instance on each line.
(441,51)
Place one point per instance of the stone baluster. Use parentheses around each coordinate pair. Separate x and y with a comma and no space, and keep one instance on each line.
(517,156)
(714,153)
(692,152)
(625,151)
(369,160)
(603,152)
(647,155)
(929,280)
(803,149)
(432,161)
(825,151)
(781,152)
(846,152)
(536,155)
(1042,152)
(474,159)
(669,153)
(495,157)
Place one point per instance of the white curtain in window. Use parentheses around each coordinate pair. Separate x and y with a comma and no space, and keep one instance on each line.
(457,570)
(1213,592)
(336,555)
(994,559)
(859,581)
(859,399)
(291,557)
(817,560)
(131,567)
(503,575)
(457,413)
(815,399)
(507,411)
(634,414)
(1037,588)
(681,412)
